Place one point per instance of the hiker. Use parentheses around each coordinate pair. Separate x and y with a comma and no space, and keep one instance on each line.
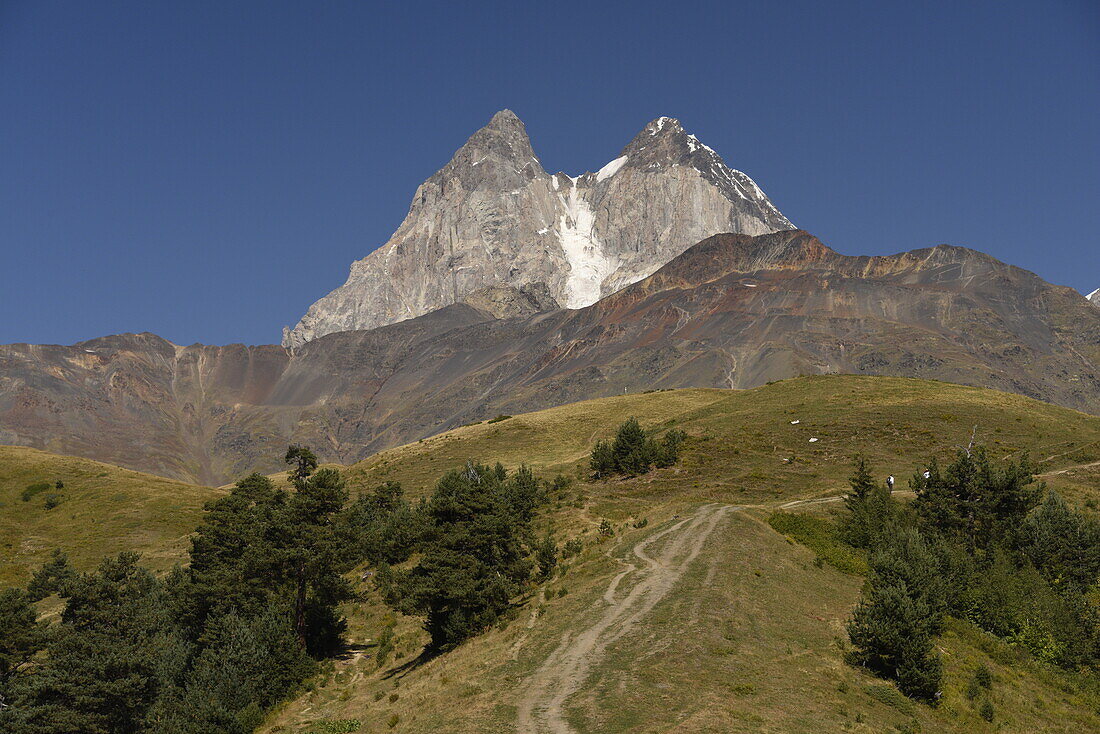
(890,482)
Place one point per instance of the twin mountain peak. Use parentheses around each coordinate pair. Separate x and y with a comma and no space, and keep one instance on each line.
(493,221)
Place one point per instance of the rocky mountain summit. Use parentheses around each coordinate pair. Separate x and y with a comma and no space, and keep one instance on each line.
(1094,297)
(493,217)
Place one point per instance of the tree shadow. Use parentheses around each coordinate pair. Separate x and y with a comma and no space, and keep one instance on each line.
(400,671)
(350,649)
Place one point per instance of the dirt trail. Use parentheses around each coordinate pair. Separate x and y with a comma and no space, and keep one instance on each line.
(1069,469)
(826,500)
(542,706)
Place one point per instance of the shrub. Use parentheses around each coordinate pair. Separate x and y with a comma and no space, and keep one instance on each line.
(821,536)
(52,501)
(33,489)
(499,418)
(392,722)
(572,548)
(546,555)
(983,677)
(986,711)
(385,645)
(336,726)
(890,696)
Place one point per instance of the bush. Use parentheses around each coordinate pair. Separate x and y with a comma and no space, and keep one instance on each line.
(572,548)
(33,489)
(983,677)
(499,418)
(385,645)
(337,726)
(821,536)
(986,711)
(52,501)
(890,696)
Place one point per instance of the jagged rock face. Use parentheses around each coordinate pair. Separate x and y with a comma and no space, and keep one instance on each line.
(732,311)
(1094,297)
(493,217)
(504,301)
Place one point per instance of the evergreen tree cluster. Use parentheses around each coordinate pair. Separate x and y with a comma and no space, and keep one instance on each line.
(980,543)
(212,646)
(633,452)
(474,554)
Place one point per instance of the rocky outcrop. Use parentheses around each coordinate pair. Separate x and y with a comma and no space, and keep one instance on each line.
(732,311)
(1094,297)
(493,217)
(506,302)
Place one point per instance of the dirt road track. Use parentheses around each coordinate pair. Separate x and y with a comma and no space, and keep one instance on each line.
(542,707)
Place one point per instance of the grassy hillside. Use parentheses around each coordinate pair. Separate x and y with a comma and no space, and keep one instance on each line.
(742,444)
(101,510)
(720,623)
(744,635)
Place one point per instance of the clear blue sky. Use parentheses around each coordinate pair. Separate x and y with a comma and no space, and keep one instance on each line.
(206,170)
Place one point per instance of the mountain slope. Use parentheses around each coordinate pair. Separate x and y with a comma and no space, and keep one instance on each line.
(732,311)
(493,217)
(102,510)
(721,625)
(717,627)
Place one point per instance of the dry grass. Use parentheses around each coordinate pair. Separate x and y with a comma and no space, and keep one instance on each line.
(750,639)
(103,510)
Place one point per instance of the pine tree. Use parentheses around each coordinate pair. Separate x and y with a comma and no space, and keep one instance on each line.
(474,562)
(902,608)
(99,674)
(633,452)
(21,636)
(546,555)
(1064,545)
(602,460)
(975,501)
(52,577)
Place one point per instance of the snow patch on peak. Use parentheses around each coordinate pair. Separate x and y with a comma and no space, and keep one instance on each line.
(588,266)
(611,168)
(658,125)
(1094,296)
(694,145)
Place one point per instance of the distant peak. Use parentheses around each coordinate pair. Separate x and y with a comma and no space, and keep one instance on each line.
(504,137)
(506,119)
(1094,296)
(663,126)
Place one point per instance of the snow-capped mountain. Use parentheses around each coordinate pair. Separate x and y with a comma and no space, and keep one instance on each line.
(493,217)
(1094,297)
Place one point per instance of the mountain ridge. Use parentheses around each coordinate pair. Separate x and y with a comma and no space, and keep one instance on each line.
(732,311)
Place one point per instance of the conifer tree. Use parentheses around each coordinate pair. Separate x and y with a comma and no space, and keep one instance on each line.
(474,561)
(901,610)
